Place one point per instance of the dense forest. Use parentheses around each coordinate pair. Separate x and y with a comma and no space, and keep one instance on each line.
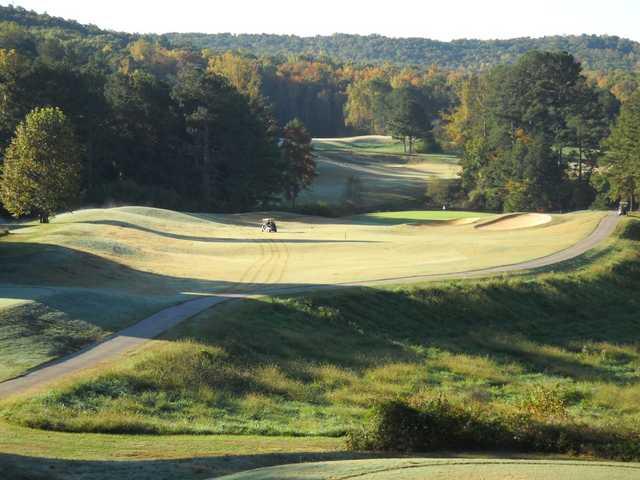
(594,51)
(181,121)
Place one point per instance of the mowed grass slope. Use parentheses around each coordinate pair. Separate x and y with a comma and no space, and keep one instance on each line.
(315,364)
(42,324)
(92,272)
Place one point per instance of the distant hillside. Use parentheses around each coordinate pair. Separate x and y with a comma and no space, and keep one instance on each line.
(28,18)
(604,53)
(595,52)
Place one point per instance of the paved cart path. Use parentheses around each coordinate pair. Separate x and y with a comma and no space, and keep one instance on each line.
(136,335)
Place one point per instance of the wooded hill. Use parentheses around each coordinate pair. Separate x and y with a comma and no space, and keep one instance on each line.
(595,52)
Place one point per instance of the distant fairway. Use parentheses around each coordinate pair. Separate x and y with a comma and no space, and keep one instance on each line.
(92,272)
(385,174)
(445,469)
(377,143)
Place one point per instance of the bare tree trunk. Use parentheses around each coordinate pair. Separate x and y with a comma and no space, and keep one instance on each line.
(580,162)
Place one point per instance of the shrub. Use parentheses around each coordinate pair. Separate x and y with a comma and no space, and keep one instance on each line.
(439,424)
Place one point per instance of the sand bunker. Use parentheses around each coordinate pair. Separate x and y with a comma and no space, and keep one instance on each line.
(516,221)
(446,223)
(463,221)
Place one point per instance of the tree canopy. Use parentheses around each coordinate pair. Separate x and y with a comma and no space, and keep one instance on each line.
(520,126)
(41,171)
(621,164)
(298,163)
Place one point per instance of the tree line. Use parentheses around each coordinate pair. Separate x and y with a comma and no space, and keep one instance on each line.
(538,135)
(181,127)
(596,52)
(152,125)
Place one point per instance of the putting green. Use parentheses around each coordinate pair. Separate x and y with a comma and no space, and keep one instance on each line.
(421,216)
(445,469)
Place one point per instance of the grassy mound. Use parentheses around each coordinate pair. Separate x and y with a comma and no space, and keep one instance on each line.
(314,365)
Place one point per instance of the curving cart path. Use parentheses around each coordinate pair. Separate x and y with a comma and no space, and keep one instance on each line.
(136,335)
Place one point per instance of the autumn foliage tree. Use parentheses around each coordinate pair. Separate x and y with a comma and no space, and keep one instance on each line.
(41,171)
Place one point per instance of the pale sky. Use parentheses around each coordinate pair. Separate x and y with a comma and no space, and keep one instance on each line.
(440,19)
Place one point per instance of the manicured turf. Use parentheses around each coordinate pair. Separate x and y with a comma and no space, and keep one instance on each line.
(445,469)
(364,143)
(314,364)
(92,272)
(417,216)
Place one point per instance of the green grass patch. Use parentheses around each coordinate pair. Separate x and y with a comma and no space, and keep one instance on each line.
(371,144)
(315,364)
(417,216)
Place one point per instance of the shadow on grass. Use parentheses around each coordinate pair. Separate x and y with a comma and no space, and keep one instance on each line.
(18,467)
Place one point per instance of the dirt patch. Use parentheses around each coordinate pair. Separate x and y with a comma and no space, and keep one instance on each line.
(516,221)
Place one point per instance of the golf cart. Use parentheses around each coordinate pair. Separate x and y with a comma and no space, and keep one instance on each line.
(623,208)
(269,225)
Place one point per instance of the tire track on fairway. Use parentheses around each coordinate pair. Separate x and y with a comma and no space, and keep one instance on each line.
(270,258)
(276,272)
(136,335)
(251,272)
(285,262)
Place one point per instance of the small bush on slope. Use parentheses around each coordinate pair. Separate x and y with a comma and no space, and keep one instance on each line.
(438,424)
